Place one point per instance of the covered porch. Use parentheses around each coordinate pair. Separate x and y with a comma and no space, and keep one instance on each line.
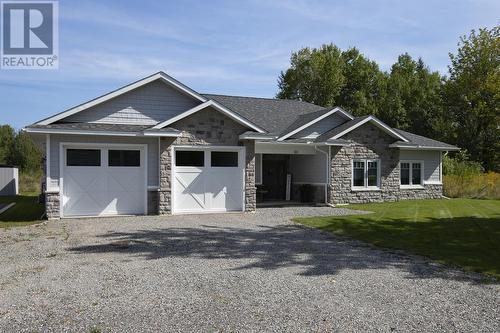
(291,173)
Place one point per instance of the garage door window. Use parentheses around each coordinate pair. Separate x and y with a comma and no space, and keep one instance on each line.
(83,157)
(224,159)
(124,158)
(192,158)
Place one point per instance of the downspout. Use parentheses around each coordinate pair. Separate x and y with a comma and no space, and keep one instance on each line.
(327,170)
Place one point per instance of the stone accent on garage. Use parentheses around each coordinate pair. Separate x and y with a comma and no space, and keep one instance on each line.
(52,205)
(206,127)
(250,188)
(369,142)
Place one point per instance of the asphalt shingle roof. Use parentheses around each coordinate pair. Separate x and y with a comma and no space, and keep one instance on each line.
(277,116)
(421,141)
(273,115)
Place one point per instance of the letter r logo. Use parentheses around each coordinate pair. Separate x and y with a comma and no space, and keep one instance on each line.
(27,28)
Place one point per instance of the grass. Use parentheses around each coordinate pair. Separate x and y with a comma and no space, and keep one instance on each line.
(26,211)
(480,185)
(463,232)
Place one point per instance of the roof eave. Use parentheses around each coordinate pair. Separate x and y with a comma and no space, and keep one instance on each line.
(257,136)
(421,147)
(99,133)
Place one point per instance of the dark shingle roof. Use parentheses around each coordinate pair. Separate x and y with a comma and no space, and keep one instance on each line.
(422,141)
(273,115)
(304,119)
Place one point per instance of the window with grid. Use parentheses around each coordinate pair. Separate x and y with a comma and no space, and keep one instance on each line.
(366,174)
(410,173)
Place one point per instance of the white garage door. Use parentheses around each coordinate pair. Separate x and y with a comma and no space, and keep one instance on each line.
(208,180)
(101,181)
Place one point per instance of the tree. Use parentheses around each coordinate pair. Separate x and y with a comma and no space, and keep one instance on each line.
(26,154)
(7,135)
(472,96)
(363,84)
(315,76)
(411,97)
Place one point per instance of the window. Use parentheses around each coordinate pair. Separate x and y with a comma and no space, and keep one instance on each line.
(193,158)
(224,159)
(366,174)
(405,173)
(359,173)
(83,157)
(416,174)
(124,158)
(411,173)
(372,173)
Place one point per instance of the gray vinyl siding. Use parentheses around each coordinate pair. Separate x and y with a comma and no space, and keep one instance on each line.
(431,159)
(308,168)
(147,105)
(55,140)
(321,126)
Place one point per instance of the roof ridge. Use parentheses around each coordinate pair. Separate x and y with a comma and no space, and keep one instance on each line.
(266,98)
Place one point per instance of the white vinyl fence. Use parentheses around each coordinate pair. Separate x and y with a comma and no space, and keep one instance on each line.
(9,180)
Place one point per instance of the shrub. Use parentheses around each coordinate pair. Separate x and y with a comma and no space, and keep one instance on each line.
(30,182)
(480,186)
(460,165)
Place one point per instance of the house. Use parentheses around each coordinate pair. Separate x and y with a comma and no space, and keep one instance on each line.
(157,146)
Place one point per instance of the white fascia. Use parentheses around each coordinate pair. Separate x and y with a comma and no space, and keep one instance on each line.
(417,147)
(99,133)
(218,107)
(378,123)
(323,116)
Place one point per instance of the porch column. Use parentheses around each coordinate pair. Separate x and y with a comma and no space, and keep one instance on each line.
(250,189)
(165,191)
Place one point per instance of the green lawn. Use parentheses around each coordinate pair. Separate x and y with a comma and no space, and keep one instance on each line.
(463,232)
(26,211)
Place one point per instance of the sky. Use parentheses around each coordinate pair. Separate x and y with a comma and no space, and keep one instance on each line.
(226,47)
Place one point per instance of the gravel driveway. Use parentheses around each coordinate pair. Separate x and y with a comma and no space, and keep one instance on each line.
(226,273)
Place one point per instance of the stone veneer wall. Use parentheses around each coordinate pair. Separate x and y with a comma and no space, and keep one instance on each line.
(206,127)
(368,141)
(52,205)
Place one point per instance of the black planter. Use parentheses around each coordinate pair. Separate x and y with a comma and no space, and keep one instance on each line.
(306,193)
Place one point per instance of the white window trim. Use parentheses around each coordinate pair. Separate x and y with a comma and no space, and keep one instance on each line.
(412,186)
(366,187)
(258,181)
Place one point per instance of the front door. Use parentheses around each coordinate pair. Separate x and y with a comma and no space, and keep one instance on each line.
(274,171)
